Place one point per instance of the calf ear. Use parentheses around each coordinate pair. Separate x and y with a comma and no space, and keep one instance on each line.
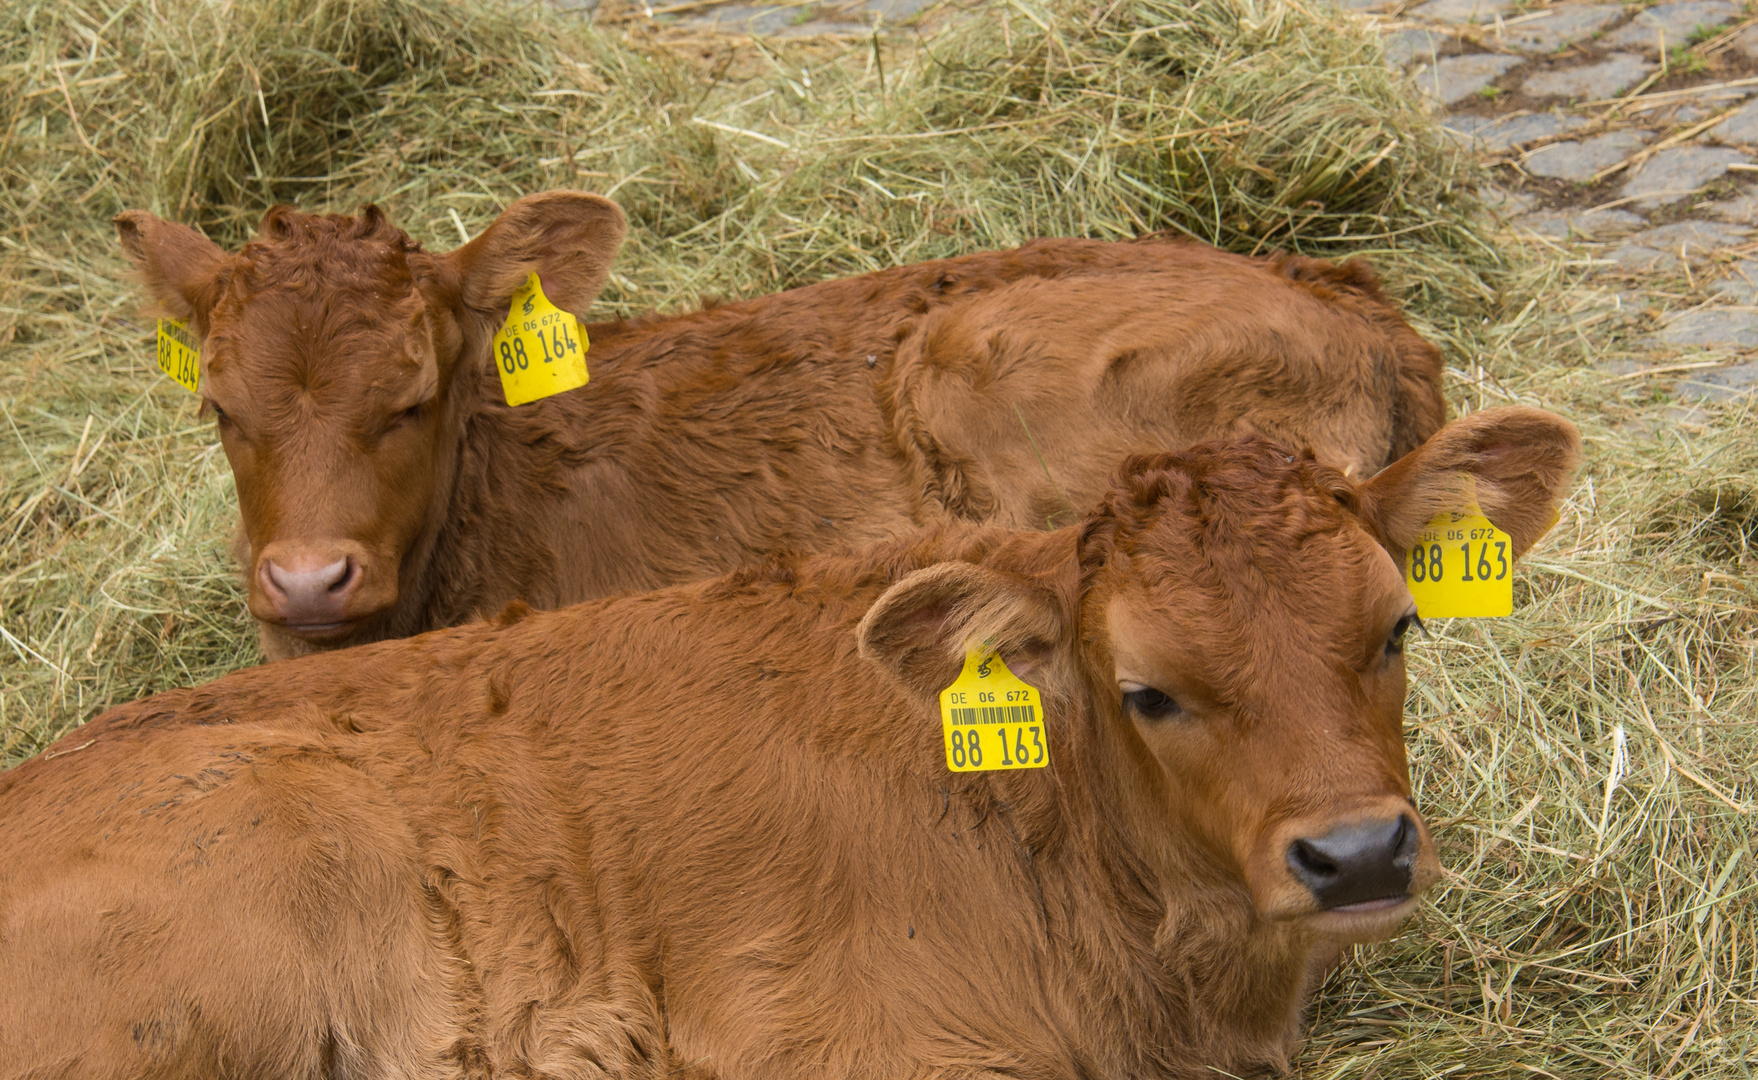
(1515,463)
(920,627)
(568,237)
(178,265)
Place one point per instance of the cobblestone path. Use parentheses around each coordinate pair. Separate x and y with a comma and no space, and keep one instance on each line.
(1628,135)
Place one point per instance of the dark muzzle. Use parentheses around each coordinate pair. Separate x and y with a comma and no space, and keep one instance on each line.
(1353,864)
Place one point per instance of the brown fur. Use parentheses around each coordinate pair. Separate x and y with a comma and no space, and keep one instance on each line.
(709,831)
(364,421)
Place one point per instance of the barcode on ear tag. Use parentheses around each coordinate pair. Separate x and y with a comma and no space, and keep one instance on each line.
(179,354)
(991,719)
(1461,566)
(540,350)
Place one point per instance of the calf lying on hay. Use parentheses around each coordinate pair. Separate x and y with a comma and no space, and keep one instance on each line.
(711,832)
(387,488)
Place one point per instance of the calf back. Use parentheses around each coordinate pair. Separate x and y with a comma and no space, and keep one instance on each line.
(386,489)
(995,387)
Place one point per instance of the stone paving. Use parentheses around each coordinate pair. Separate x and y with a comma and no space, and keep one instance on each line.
(1627,136)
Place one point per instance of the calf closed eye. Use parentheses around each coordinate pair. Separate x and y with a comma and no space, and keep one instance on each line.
(1149,703)
(1395,643)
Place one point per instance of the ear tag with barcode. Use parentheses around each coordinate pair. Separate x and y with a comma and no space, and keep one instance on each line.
(1461,566)
(540,350)
(991,719)
(179,354)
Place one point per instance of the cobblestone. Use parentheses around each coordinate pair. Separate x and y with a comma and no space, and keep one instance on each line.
(1741,284)
(1565,25)
(1405,47)
(1740,126)
(1580,225)
(1720,384)
(1507,203)
(1673,174)
(1570,160)
(741,18)
(1677,22)
(1462,11)
(1500,133)
(1742,208)
(1456,78)
(1746,42)
(1600,80)
(1661,248)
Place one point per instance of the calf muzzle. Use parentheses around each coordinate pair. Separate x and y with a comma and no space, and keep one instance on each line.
(311,590)
(1358,863)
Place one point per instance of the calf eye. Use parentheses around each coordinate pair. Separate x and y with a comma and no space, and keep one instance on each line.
(1395,643)
(1150,704)
(219,413)
(410,415)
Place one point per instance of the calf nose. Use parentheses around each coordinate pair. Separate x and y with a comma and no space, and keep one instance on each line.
(305,592)
(1355,863)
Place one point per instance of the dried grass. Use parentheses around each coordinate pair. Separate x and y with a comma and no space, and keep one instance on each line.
(1586,928)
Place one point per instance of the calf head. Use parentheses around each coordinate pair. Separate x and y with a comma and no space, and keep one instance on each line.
(341,363)
(1233,636)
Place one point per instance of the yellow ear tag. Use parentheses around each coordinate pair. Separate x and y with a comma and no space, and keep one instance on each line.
(179,355)
(990,719)
(1461,565)
(541,349)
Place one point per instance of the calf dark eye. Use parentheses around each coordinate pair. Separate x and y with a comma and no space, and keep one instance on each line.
(1395,643)
(1151,704)
(410,415)
(220,416)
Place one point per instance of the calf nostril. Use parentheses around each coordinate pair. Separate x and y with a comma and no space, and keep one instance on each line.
(1407,844)
(1356,863)
(1309,864)
(275,577)
(341,575)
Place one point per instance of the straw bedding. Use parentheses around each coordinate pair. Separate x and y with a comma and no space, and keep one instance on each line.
(1588,762)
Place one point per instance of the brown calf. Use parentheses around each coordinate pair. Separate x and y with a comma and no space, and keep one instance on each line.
(710,831)
(385,488)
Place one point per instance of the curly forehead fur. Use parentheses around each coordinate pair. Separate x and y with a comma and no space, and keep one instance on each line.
(1233,503)
(315,254)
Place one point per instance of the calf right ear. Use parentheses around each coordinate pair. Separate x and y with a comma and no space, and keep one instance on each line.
(568,238)
(178,265)
(1516,464)
(920,627)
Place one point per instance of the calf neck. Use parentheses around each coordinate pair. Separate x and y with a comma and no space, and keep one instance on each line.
(385,488)
(711,832)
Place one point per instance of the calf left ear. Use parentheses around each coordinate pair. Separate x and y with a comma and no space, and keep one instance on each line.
(569,238)
(1515,463)
(178,265)
(920,627)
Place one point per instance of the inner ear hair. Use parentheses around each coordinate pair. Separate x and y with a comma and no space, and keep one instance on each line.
(568,238)
(178,266)
(918,629)
(1515,463)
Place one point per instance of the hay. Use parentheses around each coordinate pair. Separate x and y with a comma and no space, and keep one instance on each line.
(1585,928)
